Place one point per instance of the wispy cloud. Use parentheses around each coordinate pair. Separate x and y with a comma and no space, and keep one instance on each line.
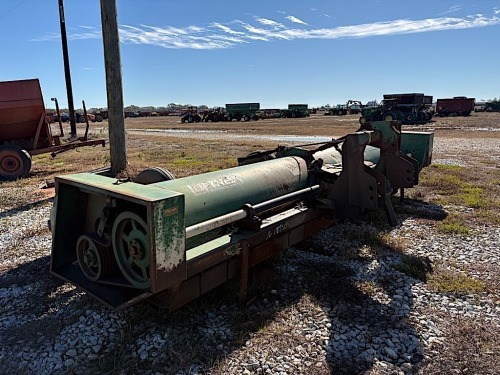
(228,35)
(268,22)
(453,9)
(295,20)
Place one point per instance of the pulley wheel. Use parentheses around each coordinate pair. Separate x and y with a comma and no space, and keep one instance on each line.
(153,175)
(95,261)
(14,162)
(129,237)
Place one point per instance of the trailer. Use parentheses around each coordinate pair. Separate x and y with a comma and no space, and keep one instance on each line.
(25,130)
(456,106)
(245,111)
(295,111)
(168,241)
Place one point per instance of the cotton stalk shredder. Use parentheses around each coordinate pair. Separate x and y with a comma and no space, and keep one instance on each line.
(171,240)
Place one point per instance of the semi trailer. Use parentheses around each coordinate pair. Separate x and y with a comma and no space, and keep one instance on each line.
(456,106)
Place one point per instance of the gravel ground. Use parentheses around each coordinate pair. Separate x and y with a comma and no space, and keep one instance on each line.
(333,304)
(312,318)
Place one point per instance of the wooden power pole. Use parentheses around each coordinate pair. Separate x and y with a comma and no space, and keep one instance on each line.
(112,62)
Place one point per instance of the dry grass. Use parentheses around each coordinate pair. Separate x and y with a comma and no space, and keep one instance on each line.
(449,281)
(470,346)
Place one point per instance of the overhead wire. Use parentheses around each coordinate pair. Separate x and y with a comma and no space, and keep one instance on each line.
(11,9)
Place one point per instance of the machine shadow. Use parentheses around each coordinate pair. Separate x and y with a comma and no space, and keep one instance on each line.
(26,207)
(365,321)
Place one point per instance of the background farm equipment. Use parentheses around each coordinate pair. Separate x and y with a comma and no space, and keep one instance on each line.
(493,106)
(169,241)
(80,117)
(214,115)
(190,115)
(338,110)
(295,111)
(352,107)
(25,129)
(457,106)
(245,111)
(407,108)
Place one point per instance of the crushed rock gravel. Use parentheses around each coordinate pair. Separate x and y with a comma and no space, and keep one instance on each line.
(329,306)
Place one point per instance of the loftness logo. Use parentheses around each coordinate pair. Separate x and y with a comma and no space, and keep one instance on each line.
(213,185)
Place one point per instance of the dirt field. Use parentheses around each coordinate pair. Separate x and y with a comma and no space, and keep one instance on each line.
(350,300)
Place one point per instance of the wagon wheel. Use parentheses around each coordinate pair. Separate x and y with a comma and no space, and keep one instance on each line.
(130,245)
(14,162)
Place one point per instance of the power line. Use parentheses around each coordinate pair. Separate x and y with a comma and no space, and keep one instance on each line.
(10,10)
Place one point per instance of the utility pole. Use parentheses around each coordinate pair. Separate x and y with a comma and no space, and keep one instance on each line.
(67,73)
(112,62)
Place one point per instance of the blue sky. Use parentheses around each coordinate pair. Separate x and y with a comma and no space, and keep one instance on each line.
(268,51)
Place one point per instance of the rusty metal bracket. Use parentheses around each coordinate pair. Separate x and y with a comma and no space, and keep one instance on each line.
(356,188)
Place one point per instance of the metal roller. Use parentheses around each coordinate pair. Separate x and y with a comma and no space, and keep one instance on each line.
(217,193)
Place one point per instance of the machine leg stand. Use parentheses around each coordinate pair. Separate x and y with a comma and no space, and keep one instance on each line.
(401,195)
(389,210)
(244,272)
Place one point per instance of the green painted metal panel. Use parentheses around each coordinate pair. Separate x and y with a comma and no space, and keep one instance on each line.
(418,145)
(169,243)
(100,184)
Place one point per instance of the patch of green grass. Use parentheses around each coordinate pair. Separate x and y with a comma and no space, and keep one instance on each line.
(453,282)
(473,187)
(447,167)
(453,224)
(413,266)
(472,196)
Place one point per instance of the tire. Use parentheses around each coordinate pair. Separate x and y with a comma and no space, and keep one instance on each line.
(389,116)
(14,163)
(409,118)
(98,118)
(81,119)
(190,119)
(293,115)
(489,109)
(246,118)
(229,118)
